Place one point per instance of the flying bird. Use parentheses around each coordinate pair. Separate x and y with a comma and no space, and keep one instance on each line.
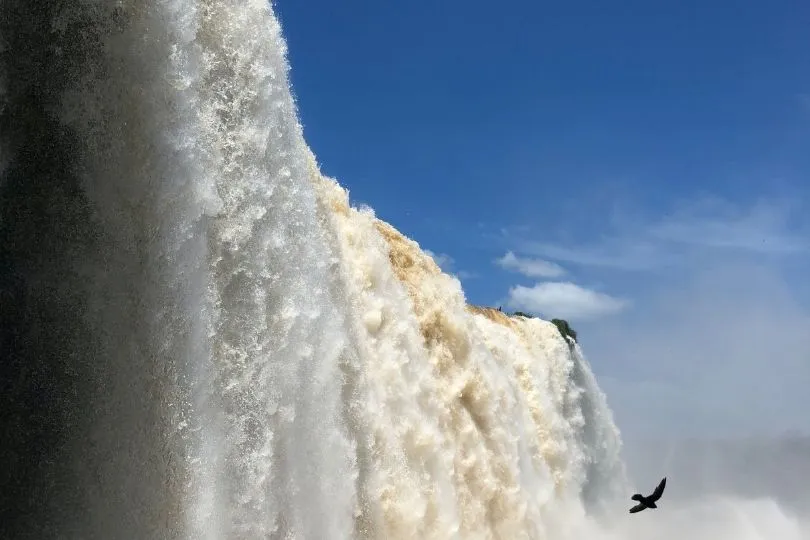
(649,500)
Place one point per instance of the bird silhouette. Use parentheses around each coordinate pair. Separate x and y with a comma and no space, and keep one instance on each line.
(649,500)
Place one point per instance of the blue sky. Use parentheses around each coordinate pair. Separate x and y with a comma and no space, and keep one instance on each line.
(641,169)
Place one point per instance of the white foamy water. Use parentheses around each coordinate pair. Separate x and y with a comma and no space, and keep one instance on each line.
(249,356)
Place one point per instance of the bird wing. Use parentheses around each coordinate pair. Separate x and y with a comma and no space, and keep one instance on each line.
(637,508)
(659,490)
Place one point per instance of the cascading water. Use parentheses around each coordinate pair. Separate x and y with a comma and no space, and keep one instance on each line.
(203,340)
(475,418)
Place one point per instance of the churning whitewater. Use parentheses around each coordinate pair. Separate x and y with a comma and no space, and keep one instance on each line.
(206,341)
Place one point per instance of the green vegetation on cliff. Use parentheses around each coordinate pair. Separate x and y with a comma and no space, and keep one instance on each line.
(562,325)
(565,328)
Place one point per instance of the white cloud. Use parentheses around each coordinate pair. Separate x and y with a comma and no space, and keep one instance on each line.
(763,228)
(564,300)
(530,267)
(622,253)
